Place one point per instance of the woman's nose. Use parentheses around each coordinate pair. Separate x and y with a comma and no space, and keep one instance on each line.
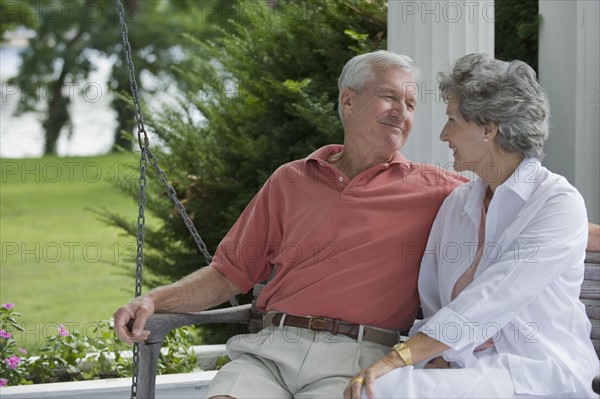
(444,134)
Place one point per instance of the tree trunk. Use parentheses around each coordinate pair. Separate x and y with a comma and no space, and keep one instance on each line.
(58,105)
(125,118)
(58,112)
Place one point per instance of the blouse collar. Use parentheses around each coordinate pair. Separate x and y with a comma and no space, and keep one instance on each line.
(522,183)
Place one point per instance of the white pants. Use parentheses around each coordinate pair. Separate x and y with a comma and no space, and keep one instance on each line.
(490,377)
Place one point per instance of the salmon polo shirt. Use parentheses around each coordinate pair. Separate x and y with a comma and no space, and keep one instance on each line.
(346,249)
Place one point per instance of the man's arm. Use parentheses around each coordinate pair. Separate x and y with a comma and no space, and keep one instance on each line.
(198,291)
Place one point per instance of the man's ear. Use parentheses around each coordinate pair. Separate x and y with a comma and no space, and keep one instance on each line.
(347,99)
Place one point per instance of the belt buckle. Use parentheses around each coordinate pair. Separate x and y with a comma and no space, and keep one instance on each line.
(310,321)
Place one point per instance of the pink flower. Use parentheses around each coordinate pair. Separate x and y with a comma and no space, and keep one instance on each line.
(3,382)
(8,306)
(4,334)
(62,331)
(12,362)
(23,351)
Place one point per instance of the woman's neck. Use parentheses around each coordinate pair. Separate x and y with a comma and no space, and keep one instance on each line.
(500,168)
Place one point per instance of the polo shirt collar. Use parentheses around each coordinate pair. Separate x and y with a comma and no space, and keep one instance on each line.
(323,153)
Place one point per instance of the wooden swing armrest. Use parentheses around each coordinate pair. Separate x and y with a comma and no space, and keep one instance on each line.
(160,324)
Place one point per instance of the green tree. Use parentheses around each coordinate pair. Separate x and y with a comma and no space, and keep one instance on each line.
(516,29)
(14,15)
(55,57)
(155,32)
(258,95)
(69,32)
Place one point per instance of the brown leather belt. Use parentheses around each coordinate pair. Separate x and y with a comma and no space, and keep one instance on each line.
(334,326)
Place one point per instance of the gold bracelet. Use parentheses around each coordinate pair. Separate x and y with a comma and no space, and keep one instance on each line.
(404,352)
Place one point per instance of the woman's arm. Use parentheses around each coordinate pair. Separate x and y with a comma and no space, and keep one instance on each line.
(420,347)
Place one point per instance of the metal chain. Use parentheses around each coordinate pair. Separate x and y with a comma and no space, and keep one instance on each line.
(142,183)
(180,208)
(139,260)
(144,142)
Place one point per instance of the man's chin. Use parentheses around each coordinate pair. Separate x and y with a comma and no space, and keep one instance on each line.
(398,142)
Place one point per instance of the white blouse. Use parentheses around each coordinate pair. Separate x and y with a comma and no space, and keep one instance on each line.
(525,293)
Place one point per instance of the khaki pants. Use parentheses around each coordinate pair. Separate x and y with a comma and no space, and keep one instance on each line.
(291,362)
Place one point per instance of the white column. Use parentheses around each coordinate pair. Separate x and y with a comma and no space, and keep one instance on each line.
(435,33)
(569,71)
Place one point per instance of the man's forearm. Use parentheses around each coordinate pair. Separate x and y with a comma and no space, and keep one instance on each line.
(198,291)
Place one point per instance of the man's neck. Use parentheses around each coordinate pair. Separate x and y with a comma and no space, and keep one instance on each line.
(352,162)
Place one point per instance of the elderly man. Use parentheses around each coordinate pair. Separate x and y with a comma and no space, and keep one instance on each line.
(344,229)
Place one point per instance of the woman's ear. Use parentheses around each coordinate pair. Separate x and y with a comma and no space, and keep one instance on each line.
(491,130)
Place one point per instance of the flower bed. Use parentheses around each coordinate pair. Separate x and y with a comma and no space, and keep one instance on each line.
(72,356)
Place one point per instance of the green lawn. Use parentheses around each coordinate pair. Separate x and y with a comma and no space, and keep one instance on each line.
(57,259)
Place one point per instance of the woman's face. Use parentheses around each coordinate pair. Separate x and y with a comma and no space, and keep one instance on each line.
(467,141)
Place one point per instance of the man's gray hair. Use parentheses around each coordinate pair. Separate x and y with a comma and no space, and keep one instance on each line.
(504,93)
(363,69)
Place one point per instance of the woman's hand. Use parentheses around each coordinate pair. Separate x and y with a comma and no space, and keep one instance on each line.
(420,346)
(367,376)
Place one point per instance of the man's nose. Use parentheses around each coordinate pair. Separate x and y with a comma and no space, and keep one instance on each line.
(400,110)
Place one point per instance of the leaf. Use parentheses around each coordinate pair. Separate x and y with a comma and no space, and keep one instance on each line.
(359,37)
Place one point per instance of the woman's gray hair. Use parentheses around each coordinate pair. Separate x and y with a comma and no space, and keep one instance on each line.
(504,93)
(363,68)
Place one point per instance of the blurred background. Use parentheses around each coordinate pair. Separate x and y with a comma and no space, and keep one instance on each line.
(92,122)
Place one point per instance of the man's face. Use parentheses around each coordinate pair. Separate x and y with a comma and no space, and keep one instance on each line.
(381,115)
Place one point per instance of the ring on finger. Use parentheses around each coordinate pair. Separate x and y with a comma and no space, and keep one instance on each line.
(358,380)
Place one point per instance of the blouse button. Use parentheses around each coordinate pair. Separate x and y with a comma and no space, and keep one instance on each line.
(341,179)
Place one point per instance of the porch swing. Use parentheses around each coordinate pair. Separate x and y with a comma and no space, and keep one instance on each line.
(145,355)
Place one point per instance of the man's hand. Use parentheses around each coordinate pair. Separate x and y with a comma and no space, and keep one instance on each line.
(437,363)
(138,310)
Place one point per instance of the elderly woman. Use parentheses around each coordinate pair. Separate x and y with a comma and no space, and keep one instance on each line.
(499,282)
